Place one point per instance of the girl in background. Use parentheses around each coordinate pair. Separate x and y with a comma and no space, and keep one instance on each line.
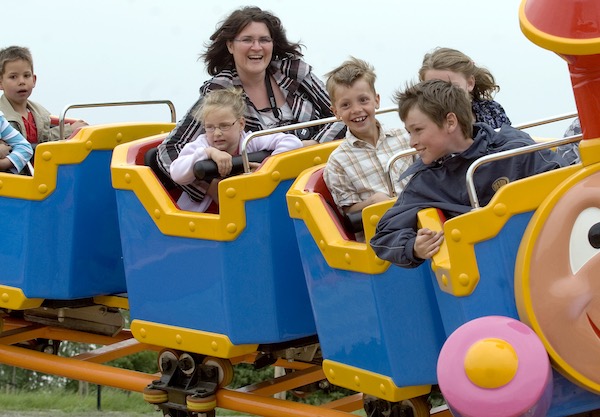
(451,65)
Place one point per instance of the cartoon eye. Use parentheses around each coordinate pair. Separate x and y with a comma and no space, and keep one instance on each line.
(584,242)
(594,236)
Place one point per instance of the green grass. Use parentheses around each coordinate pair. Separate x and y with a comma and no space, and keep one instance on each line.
(62,403)
(111,400)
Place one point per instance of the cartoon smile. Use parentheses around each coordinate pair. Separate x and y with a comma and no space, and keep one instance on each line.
(594,327)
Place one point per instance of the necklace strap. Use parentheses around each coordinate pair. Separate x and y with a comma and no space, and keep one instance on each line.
(272,100)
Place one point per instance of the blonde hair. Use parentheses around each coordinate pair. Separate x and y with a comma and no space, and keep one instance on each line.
(452,60)
(231,97)
(347,74)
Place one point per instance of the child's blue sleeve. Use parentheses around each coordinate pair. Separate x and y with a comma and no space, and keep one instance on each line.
(21,149)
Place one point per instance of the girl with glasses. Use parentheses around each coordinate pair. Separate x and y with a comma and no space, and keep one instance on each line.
(222,115)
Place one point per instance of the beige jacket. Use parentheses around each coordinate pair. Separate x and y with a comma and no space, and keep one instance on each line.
(45,131)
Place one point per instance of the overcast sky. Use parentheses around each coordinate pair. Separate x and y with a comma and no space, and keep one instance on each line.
(108,51)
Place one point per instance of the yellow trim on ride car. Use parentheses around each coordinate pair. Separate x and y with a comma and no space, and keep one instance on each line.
(12,298)
(368,382)
(338,252)
(188,340)
(49,155)
(460,275)
(522,275)
(233,191)
(116,301)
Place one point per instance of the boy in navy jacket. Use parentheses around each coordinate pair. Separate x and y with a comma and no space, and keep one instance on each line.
(439,119)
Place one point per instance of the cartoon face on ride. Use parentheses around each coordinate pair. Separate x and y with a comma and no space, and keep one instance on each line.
(557,286)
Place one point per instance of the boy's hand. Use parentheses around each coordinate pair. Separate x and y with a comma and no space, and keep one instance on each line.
(378,198)
(253,166)
(4,149)
(309,142)
(78,124)
(375,198)
(427,243)
(223,161)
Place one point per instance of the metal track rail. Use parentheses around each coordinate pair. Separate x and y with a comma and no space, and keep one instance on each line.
(253,399)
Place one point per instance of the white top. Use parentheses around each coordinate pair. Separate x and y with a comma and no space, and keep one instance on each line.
(182,168)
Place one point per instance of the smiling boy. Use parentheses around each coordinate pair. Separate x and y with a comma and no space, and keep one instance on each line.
(355,172)
(438,116)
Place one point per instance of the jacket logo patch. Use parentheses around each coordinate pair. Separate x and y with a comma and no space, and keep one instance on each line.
(499,183)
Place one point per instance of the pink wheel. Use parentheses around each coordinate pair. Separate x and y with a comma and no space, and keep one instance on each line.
(495,367)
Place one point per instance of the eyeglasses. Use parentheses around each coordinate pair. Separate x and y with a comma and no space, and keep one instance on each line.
(223,127)
(249,41)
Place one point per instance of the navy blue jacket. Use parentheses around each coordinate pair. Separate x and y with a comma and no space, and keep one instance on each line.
(442,185)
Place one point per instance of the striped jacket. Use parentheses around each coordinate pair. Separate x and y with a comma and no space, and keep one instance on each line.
(306,96)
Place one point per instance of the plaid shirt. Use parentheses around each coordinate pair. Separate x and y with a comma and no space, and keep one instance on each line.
(305,95)
(356,169)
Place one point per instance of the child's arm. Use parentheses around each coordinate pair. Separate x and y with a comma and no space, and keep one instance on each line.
(182,168)
(375,198)
(427,243)
(395,236)
(4,149)
(6,164)
(223,160)
(278,143)
(224,163)
(21,151)
(69,128)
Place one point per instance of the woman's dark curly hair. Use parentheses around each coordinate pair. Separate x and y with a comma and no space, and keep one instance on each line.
(217,56)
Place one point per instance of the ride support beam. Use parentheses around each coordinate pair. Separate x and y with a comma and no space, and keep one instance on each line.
(14,327)
(270,407)
(285,383)
(113,351)
(75,369)
(349,403)
(21,334)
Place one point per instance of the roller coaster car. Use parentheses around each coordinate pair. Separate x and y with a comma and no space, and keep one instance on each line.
(61,244)
(502,302)
(491,278)
(214,284)
(379,327)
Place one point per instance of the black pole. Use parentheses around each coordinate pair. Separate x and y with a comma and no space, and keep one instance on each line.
(99,398)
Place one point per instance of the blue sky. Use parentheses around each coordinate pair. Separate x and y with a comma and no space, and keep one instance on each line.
(107,51)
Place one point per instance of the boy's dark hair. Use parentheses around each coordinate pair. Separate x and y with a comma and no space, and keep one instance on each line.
(14,53)
(437,98)
(217,56)
(347,74)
